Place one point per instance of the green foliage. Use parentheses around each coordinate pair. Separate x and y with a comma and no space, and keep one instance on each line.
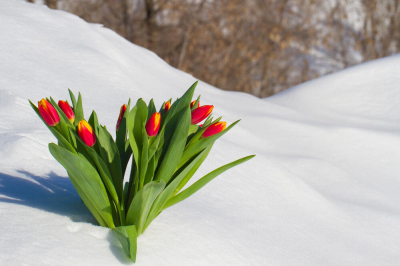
(161,165)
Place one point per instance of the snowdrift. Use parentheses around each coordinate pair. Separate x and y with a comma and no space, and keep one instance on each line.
(323,189)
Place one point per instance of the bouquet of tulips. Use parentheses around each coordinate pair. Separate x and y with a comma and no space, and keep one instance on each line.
(167,147)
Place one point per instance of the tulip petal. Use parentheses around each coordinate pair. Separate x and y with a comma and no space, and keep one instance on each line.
(167,106)
(214,129)
(48,113)
(67,110)
(121,115)
(46,116)
(201,113)
(153,125)
(86,133)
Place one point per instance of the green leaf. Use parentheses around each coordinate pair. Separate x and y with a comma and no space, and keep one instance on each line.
(196,145)
(175,148)
(73,99)
(86,200)
(140,122)
(207,122)
(127,236)
(125,151)
(193,129)
(109,153)
(94,122)
(102,170)
(152,109)
(130,124)
(150,170)
(203,181)
(167,192)
(78,110)
(144,160)
(193,170)
(196,103)
(87,179)
(153,145)
(141,204)
(169,121)
(136,123)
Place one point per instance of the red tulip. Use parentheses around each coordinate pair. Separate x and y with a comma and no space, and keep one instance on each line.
(67,110)
(201,113)
(86,133)
(193,103)
(121,114)
(153,125)
(214,129)
(48,113)
(167,106)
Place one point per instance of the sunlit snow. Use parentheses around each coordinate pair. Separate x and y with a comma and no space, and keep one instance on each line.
(322,190)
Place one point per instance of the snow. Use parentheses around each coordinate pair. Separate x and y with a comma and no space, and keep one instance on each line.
(322,190)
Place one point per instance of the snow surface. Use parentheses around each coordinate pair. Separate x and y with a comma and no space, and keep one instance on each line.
(323,189)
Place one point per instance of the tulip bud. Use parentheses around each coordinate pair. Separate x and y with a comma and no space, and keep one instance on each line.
(214,129)
(86,133)
(121,115)
(153,125)
(193,103)
(48,113)
(167,106)
(201,113)
(67,110)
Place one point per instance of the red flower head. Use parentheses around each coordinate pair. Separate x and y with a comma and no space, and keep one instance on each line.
(201,113)
(214,129)
(167,106)
(67,110)
(153,125)
(121,114)
(193,103)
(86,133)
(48,113)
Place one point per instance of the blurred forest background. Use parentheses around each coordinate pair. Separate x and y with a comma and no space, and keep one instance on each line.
(258,46)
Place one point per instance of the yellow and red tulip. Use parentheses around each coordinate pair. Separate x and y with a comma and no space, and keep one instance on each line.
(48,113)
(193,103)
(153,125)
(167,106)
(201,113)
(86,133)
(121,115)
(214,129)
(67,110)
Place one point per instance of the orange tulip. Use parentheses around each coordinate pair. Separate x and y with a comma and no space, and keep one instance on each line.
(48,113)
(67,110)
(193,103)
(121,114)
(214,129)
(167,106)
(201,113)
(153,125)
(86,133)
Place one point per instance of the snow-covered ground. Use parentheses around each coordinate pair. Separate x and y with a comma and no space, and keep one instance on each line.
(323,189)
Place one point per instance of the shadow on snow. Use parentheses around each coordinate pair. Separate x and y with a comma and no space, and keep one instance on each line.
(52,193)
